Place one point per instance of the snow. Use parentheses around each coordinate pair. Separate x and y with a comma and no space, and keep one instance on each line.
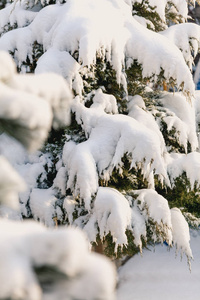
(188,163)
(51,87)
(159,6)
(138,111)
(155,207)
(110,137)
(181,116)
(62,63)
(186,38)
(31,103)
(10,184)
(74,31)
(156,57)
(159,274)
(16,14)
(111,213)
(181,235)
(72,36)
(28,114)
(27,246)
(42,204)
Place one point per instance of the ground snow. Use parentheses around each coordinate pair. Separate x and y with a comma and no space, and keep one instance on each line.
(159,274)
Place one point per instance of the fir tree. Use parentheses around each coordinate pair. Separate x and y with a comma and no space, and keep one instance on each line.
(126,168)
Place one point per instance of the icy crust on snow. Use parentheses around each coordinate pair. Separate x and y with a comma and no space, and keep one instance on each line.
(186,38)
(28,246)
(110,137)
(74,31)
(30,104)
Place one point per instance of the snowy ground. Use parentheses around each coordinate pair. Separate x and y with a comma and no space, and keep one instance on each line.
(159,275)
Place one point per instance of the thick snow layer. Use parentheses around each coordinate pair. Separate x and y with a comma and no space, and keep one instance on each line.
(10,184)
(154,55)
(180,233)
(8,67)
(111,213)
(30,167)
(188,163)
(160,274)
(186,38)
(51,87)
(160,6)
(137,110)
(197,103)
(15,14)
(80,28)
(62,63)
(28,245)
(42,205)
(110,138)
(26,117)
(157,207)
(180,114)
(30,104)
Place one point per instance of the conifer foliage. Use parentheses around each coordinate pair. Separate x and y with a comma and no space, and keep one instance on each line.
(103,99)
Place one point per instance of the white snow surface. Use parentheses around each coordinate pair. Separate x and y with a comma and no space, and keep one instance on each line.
(188,163)
(180,232)
(80,28)
(110,137)
(160,274)
(16,14)
(26,245)
(10,185)
(31,104)
(42,205)
(52,88)
(181,116)
(111,213)
(62,63)
(160,6)
(28,115)
(155,207)
(138,111)
(186,38)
